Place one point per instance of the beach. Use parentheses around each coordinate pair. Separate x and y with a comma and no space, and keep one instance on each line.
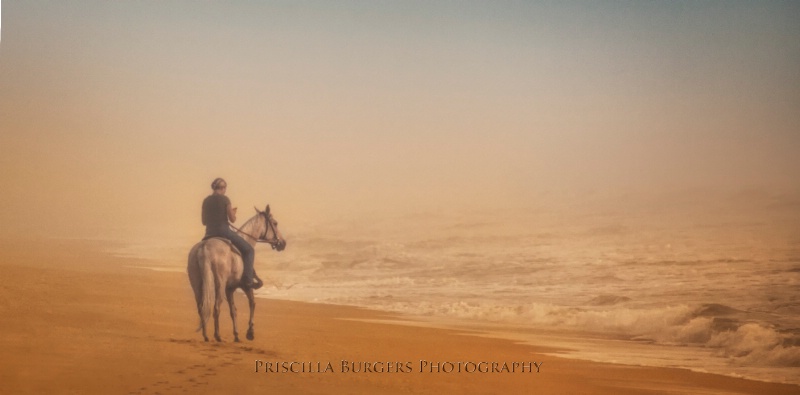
(526,197)
(79,320)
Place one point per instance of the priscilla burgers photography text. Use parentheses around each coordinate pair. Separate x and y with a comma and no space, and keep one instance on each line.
(422,366)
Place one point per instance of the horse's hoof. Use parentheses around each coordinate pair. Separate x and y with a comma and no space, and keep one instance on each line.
(206,339)
(236,339)
(250,336)
(217,338)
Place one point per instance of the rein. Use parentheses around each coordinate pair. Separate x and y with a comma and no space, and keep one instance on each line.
(268,224)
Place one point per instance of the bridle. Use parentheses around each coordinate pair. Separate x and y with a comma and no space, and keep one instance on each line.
(274,242)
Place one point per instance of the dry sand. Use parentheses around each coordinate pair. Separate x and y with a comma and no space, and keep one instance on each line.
(75,320)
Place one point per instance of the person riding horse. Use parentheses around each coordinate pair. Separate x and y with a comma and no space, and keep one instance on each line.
(217,211)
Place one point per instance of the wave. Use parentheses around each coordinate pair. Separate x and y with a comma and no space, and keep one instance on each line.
(756,344)
(608,300)
(720,328)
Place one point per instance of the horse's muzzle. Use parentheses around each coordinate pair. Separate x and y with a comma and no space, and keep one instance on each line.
(280,245)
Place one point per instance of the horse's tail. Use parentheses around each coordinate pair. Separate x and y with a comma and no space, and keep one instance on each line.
(208,288)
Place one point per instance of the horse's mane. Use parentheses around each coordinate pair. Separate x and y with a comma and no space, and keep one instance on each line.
(252,223)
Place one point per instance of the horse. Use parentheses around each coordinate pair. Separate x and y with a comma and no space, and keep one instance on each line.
(215,269)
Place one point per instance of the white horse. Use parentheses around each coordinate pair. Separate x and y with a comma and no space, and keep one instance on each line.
(215,269)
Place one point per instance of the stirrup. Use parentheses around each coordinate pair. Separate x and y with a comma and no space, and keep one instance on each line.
(253,284)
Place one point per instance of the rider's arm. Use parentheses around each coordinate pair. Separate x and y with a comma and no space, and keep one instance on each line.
(231,214)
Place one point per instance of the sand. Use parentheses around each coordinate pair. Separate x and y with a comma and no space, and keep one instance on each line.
(76,320)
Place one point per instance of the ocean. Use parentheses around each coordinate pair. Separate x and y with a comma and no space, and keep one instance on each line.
(704,283)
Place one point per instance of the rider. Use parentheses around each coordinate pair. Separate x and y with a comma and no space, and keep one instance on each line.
(217,211)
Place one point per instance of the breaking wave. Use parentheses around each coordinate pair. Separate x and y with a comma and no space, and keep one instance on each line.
(709,326)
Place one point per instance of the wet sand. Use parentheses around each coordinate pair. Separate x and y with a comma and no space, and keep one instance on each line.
(76,320)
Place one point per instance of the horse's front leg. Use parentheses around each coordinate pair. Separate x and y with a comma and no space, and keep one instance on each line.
(252,301)
(232,308)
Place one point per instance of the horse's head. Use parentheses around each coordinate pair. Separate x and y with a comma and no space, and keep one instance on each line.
(271,234)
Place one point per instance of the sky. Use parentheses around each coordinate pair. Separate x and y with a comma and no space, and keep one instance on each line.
(120,114)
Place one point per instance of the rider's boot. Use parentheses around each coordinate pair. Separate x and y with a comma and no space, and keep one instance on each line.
(250,283)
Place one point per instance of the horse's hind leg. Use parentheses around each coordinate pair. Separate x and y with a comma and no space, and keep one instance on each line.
(252,301)
(196,280)
(205,336)
(232,308)
(199,299)
(202,321)
(217,306)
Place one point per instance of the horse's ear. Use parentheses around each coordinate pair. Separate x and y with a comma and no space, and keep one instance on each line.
(257,212)
(267,210)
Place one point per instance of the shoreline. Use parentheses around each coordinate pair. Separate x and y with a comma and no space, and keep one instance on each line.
(81,321)
(585,345)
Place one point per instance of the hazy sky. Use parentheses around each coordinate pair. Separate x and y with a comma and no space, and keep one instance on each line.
(125,111)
